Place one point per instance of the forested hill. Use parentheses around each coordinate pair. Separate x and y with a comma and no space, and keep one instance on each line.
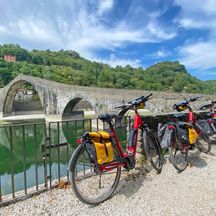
(68,67)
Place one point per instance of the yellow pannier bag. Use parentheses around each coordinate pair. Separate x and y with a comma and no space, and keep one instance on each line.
(100,148)
(104,152)
(192,135)
(99,135)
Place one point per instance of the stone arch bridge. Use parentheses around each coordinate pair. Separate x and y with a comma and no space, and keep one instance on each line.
(56,97)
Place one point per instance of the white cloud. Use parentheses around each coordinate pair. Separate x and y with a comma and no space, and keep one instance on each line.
(162,53)
(87,34)
(207,6)
(3,30)
(114,61)
(159,54)
(105,6)
(80,25)
(32,29)
(158,32)
(198,14)
(200,55)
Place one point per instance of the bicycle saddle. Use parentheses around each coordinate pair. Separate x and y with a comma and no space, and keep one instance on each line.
(105,117)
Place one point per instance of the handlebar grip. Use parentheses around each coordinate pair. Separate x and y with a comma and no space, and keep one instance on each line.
(148,96)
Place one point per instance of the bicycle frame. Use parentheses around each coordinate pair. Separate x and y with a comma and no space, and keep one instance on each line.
(191,117)
(130,151)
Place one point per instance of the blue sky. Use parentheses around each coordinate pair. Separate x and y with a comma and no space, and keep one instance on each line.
(118,32)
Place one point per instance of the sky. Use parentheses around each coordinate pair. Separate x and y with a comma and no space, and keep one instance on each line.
(118,32)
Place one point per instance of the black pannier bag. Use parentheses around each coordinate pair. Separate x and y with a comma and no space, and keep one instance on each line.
(208,127)
(164,135)
(183,133)
(132,137)
(213,125)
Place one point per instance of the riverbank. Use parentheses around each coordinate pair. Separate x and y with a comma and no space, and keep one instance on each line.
(142,193)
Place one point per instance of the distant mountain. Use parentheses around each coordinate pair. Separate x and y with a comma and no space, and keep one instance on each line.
(68,67)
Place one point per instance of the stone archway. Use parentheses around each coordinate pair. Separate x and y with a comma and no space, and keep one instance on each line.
(76,108)
(19,99)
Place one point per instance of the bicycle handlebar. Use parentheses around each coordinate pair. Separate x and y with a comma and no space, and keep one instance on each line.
(134,102)
(184,103)
(206,106)
(139,99)
(187,101)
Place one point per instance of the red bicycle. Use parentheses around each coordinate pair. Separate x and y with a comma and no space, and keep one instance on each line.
(180,136)
(208,121)
(94,178)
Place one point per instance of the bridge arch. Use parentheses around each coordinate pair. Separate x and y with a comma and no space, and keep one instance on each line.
(16,87)
(76,108)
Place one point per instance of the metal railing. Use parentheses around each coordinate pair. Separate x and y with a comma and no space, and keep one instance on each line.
(34,156)
(62,142)
(15,163)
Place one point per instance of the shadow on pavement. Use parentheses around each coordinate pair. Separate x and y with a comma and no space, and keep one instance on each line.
(196,160)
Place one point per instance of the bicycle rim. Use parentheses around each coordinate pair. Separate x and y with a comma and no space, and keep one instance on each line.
(90,186)
(178,154)
(203,142)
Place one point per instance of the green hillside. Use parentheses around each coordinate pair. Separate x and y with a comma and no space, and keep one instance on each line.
(68,67)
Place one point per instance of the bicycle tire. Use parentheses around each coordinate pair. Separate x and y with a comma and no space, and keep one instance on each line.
(86,193)
(203,141)
(180,160)
(153,149)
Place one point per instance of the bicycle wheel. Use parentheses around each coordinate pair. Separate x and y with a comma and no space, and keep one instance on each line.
(152,150)
(203,141)
(178,153)
(89,185)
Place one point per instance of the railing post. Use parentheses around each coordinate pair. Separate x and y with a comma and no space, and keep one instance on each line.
(11,160)
(36,156)
(67,148)
(24,158)
(0,192)
(44,150)
(58,142)
(49,137)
